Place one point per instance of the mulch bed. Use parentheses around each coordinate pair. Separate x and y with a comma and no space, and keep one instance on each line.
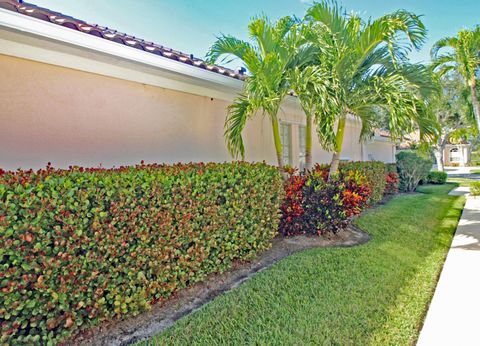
(164,314)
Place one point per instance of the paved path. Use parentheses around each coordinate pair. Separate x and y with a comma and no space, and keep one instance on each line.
(463,172)
(454,314)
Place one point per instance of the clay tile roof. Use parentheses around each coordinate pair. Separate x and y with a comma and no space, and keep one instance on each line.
(382,133)
(115,36)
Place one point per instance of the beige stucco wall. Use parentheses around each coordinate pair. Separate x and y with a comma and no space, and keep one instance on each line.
(380,151)
(69,117)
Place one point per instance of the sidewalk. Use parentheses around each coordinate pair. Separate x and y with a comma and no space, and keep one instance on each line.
(454,314)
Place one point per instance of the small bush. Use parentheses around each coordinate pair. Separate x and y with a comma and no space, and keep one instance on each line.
(436,177)
(475,188)
(412,168)
(292,221)
(82,246)
(393,182)
(358,192)
(308,209)
(374,172)
(323,205)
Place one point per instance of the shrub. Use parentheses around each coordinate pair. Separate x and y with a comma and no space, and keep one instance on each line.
(357,194)
(475,188)
(437,177)
(323,205)
(87,245)
(412,168)
(393,181)
(306,209)
(292,207)
(374,172)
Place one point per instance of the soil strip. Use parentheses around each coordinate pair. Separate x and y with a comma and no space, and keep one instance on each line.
(186,301)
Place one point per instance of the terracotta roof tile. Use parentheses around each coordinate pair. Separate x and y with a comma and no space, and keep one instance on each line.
(115,36)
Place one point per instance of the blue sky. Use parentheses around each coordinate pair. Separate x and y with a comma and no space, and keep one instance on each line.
(191,25)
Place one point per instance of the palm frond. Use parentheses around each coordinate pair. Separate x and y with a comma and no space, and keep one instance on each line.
(445,42)
(329,14)
(238,113)
(229,46)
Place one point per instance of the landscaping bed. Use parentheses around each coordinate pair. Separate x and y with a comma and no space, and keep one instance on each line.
(372,294)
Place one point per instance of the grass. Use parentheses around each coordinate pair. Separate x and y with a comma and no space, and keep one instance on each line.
(461,181)
(475,171)
(374,294)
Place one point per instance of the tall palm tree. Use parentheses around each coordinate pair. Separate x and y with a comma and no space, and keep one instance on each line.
(368,73)
(462,54)
(311,85)
(268,58)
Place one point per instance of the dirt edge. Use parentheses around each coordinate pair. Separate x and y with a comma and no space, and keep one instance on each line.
(165,314)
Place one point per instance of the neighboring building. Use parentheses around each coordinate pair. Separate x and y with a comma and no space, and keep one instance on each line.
(79,94)
(457,154)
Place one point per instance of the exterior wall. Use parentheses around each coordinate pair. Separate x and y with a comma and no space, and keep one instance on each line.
(380,151)
(461,157)
(68,117)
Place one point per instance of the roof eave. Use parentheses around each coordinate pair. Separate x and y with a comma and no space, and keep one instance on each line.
(37,28)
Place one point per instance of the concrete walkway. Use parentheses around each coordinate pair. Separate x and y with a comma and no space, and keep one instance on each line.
(454,314)
(463,172)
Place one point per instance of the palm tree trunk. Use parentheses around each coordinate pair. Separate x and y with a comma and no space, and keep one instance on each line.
(338,147)
(308,144)
(475,103)
(278,143)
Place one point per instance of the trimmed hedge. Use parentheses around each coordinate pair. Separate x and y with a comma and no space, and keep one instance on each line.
(436,177)
(83,246)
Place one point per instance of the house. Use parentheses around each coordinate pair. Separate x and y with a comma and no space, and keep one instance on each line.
(457,154)
(73,93)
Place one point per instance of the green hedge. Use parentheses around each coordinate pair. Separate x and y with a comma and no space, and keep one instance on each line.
(437,177)
(83,246)
(375,173)
(412,168)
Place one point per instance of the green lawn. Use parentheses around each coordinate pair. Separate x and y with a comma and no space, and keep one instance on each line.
(374,294)
(461,181)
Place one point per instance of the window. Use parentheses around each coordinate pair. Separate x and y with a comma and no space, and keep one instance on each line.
(302,135)
(286,138)
(454,155)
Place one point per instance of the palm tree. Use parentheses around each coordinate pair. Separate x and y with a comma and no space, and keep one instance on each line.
(311,86)
(462,54)
(268,59)
(368,74)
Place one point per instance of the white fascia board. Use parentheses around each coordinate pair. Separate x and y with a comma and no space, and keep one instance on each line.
(34,27)
(382,139)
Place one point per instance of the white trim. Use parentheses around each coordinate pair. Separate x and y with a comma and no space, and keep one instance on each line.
(34,26)
(34,39)
(106,69)
(381,139)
